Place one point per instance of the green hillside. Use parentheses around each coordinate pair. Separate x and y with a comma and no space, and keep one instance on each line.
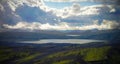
(69,55)
(86,55)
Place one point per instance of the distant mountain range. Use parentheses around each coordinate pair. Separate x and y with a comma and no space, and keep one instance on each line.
(110,35)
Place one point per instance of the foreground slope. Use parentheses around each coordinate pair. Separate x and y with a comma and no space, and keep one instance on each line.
(21,53)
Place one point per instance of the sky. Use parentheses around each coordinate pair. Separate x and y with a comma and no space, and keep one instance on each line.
(59,14)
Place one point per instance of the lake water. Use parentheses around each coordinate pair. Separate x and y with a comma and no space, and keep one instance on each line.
(72,41)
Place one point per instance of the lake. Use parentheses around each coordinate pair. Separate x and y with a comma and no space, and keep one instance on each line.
(71,41)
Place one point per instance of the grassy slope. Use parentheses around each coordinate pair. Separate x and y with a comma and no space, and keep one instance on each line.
(27,55)
(87,54)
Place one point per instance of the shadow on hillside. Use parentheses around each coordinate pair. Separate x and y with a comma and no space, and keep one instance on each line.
(114,54)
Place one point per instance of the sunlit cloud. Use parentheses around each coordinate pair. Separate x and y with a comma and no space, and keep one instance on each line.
(106,24)
(77,10)
(33,3)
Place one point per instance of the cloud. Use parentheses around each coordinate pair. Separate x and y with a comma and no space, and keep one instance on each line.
(102,1)
(33,3)
(77,10)
(110,24)
(106,24)
(74,10)
(14,4)
(38,26)
(65,0)
(2,8)
(32,8)
(7,15)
